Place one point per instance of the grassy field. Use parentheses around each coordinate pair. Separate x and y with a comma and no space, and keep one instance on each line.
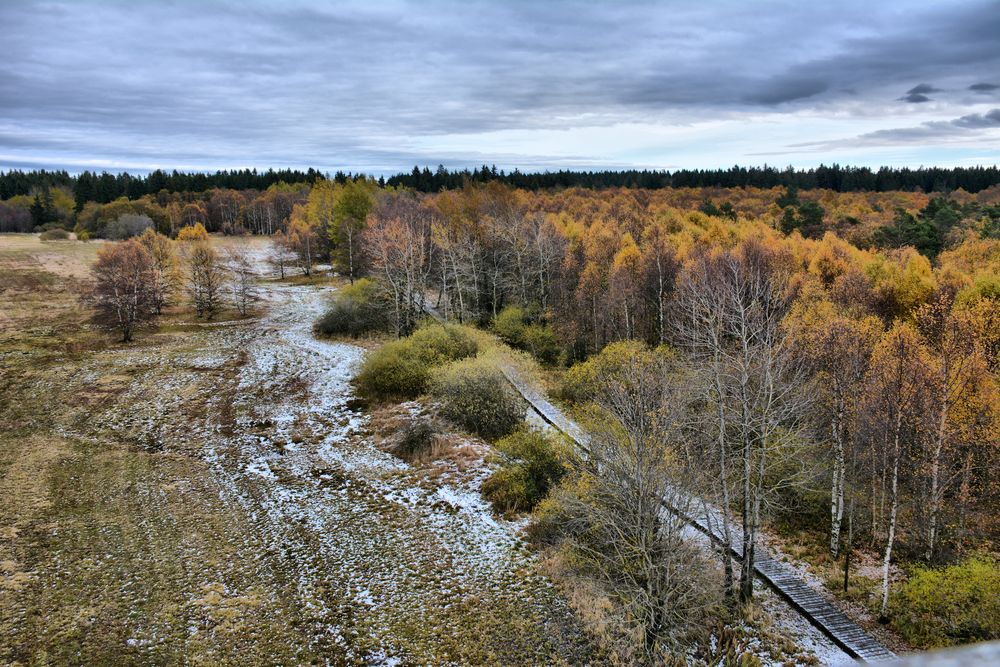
(206,495)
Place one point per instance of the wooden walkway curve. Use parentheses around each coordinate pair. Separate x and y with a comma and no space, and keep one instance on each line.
(780,577)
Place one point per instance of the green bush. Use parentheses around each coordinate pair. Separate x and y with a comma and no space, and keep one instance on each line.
(530,466)
(476,396)
(401,369)
(513,326)
(437,344)
(541,342)
(582,380)
(958,604)
(54,234)
(392,371)
(509,325)
(354,311)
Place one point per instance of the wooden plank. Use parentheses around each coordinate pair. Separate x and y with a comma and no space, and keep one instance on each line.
(779,576)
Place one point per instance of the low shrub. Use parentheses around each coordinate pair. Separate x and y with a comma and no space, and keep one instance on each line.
(416,441)
(475,395)
(438,344)
(959,604)
(392,371)
(514,326)
(530,466)
(195,232)
(54,234)
(401,369)
(541,342)
(354,311)
(509,325)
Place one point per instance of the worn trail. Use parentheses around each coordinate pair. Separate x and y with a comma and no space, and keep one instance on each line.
(210,494)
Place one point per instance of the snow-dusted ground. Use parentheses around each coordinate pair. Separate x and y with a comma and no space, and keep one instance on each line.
(344,549)
(355,555)
(404,557)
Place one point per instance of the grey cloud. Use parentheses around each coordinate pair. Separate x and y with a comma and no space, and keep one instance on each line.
(961,128)
(355,83)
(984,87)
(976,120)
(919,93)
(787,90)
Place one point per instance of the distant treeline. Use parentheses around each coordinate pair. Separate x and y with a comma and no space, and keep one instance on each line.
(106,187)
(103,188)
(836,177)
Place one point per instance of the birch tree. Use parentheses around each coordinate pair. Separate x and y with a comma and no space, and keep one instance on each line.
(165,276)
(618,521)
(398,243)
(206,278)
(303,240)
(896,397)
(959,376)
(839,349)
(123,291)
(242,279)
(728,315)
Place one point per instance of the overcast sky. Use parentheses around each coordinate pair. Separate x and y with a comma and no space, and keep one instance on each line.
(381,86)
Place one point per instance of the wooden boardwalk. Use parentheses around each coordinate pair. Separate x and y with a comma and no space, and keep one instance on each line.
(779,576)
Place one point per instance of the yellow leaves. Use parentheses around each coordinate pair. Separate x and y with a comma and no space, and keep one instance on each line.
(628,256)
(983,318)
(973,256)
(320,206)
(832,258)
(903,279)
(195,232)
(976,263)
(900,356)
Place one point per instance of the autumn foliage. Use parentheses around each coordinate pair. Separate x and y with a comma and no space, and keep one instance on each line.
(124,293)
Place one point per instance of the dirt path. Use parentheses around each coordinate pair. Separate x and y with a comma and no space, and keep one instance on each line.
(406,560)
(211,497)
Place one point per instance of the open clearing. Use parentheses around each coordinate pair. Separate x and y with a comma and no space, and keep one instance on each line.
(208,495)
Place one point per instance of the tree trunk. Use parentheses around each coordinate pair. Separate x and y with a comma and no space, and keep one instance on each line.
(659,299)
(893,509)
(935,495)
(849,545)
(746,572)
(837,487)
(350,252)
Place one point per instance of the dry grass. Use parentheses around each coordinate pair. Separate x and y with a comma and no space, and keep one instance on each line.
(104,545)
(808,550)
(120,543)
(447,453)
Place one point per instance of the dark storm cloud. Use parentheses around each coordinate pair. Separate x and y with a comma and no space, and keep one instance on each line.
(371,85)
(984,87)
(915,98)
